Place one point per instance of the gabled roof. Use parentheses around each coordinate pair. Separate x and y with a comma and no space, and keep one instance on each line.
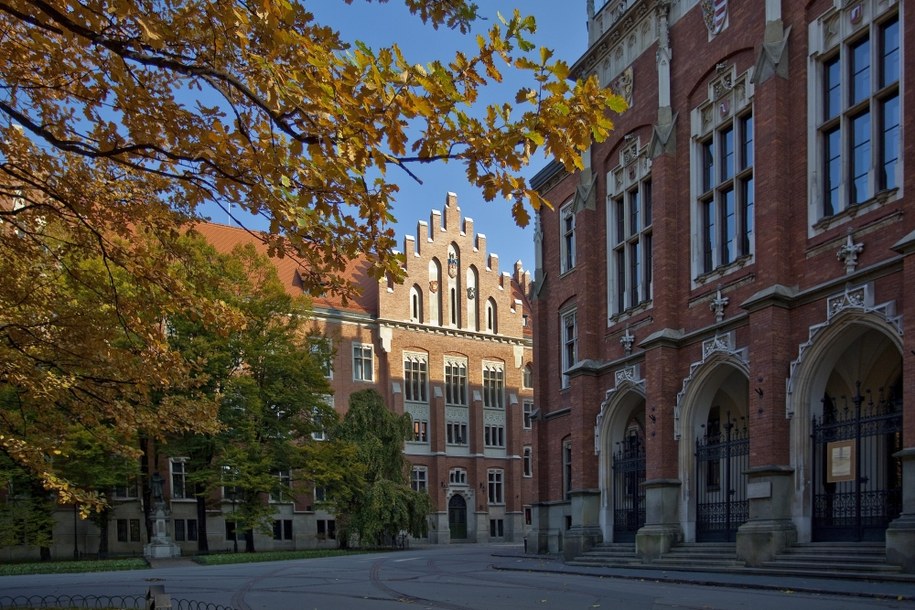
(225,238)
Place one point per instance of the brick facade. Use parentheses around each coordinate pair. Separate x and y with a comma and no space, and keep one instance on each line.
(749,296)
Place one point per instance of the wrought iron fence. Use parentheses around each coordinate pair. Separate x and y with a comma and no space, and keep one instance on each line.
(148,601)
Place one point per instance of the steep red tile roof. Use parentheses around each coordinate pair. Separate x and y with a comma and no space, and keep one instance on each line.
(224,238)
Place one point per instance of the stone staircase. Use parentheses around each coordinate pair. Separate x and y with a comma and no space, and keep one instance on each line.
(860,561)
(837,559)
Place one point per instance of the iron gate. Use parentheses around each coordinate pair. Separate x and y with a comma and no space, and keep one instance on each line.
(628,491)
(856,481)
(722,459)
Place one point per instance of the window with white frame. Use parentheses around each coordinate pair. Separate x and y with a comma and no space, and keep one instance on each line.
(494,435)
(527,377)
(496,488)
(318,432)
(567,238)
(283,486)
(363,365)
(569,343)
(415,373)
(178,467)
(456,433)
(856,93)
(723,159)
(493,385)
(527,458)
(527,414)
(419,478)
(420,431)
(457,476)
(629,231)
(320,349)
(455,381)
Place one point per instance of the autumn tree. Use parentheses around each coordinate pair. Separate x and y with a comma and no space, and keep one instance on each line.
(120,120)
(373,499)
(270,384)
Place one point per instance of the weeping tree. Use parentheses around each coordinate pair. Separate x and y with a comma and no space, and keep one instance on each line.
(374,501)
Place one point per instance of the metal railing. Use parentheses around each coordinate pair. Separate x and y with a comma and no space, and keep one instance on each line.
(155,599)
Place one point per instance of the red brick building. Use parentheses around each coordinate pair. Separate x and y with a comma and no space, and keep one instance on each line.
(724,324)
(451,346)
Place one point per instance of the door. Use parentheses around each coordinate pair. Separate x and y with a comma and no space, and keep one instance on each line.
(722,459)
(457,517)
(628,491)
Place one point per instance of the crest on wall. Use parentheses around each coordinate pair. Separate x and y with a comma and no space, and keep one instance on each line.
(452,267)
(715,14)
(433,286)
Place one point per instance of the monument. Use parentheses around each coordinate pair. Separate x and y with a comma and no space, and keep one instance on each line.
(161,546)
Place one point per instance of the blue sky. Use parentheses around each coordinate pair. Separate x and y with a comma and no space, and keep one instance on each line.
(560,26)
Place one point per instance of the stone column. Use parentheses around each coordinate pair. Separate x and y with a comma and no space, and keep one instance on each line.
(900,535)
(585,532)
(662,518)
(770,529)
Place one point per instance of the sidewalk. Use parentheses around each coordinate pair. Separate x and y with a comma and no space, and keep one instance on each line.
(745,578)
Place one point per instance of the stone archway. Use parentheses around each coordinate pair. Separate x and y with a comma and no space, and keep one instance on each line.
(712,409)
(620,438)
(857,347)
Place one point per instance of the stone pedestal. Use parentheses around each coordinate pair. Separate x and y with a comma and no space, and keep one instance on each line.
(662,527)
(585,531)
(161,546)
(439,530)
(769,529)
(900,535)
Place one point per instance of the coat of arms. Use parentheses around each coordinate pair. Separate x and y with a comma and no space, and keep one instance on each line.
(715,14)
(452,267)
(433,286)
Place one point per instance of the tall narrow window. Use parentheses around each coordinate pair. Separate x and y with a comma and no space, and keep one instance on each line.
(416,304)
(419,478)
(455,381)
(726,198)
(857,117)
(567,229)
(569,344)
(630,243)
(491,318)
(567,469)
(179,478)
(528,415)
(528,462)
(493,385)
(496,487)
(415,373)
(363,368)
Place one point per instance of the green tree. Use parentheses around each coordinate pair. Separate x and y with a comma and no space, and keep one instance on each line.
(122,119)
(90,464)
(271,388)
(374,500)
(26,508)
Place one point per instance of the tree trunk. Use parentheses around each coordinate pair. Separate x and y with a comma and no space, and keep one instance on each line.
(249,541)
(102,522)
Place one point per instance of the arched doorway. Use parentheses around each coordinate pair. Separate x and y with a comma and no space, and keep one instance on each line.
(457,517)
(714,448)
(856,427)
(628,476)
(621,428)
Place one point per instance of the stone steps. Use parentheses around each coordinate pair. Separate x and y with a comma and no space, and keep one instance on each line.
(858,561)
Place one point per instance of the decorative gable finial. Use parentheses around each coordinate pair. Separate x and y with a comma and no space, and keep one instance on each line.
(848,253)
(718,304)
(627,340)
